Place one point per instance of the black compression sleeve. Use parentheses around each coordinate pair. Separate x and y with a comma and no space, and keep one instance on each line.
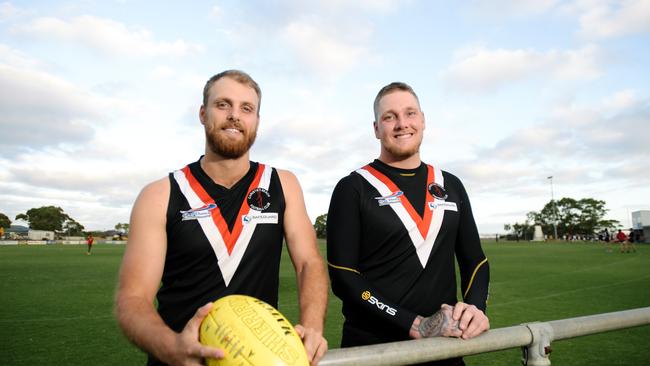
(343,248)
(473,265)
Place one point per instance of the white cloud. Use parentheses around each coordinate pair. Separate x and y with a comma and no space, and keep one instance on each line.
(483,69)
(609,136)
(106,35)
(216,11)
(620,101)
(41,110)
(375,6)
(501,8)
(8,10)
(162,72)
(606,19)
(580,64)
(597,18)
(16,58)
(322,48)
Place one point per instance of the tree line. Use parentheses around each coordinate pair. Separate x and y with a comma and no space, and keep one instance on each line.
(584,217)
(52,218)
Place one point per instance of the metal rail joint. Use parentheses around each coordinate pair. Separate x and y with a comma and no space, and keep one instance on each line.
(538,351)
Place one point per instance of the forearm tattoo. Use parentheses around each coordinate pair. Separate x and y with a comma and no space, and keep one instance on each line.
(435,325)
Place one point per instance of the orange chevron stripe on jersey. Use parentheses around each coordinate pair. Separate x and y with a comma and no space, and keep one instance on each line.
(229,238)
(423,223)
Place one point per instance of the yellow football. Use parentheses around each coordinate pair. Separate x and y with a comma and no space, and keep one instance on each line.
(251,332)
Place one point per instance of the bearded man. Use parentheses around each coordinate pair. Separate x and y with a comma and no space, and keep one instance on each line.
(216,228)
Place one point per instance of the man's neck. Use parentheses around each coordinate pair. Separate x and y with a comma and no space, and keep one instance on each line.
(411,162)
(223,171)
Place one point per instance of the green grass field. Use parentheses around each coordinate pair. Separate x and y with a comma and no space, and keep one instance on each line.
(56,302)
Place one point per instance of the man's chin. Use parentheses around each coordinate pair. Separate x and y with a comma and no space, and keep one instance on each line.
(230,148)
(402,153)
(231,153)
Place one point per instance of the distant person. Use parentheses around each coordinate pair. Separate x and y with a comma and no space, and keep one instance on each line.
(214,228)
(624,241)
(89,242)
(633,238)
(606,238)
(395,229)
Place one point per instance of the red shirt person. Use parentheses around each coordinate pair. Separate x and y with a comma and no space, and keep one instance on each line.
(89,241)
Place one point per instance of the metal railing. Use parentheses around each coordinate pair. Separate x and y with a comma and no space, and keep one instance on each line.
(535,338)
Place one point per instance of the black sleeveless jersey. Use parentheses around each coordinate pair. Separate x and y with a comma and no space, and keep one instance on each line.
(392,239)
(220,241)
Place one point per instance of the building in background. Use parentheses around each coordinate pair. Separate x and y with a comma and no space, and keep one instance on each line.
(641,224)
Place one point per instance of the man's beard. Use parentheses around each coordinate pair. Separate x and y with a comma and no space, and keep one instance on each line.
(401,153)
(227,147)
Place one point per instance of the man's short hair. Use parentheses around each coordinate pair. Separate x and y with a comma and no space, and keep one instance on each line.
(390,88)
(240,77)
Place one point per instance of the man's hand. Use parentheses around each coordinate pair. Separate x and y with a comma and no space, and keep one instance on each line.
(187,351)
(471,320)
(315,344)
(440,324)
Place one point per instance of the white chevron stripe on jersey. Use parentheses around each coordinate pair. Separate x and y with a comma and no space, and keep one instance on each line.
(228,263)
(400,211)
(423,246)
(436,222)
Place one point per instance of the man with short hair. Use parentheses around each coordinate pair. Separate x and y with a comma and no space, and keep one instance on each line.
(394,227)
(215,228)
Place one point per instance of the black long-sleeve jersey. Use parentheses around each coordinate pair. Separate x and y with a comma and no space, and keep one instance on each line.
(392,235)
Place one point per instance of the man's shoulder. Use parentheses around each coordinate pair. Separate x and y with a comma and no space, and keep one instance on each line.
(352,177)
(351,182)
(156,189)
(449,177)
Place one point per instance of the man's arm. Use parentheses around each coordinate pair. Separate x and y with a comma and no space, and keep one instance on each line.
(309,266)
(474,272)
(140,275)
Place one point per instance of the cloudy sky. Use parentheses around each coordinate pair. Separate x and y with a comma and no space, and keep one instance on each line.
(98,98)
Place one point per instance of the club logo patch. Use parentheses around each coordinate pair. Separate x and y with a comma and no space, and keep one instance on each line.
(437,191)
(387,200)
(259,199)
(197,213)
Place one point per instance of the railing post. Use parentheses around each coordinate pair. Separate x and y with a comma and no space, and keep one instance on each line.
(538,351)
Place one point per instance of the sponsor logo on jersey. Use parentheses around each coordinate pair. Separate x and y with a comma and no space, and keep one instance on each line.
(437,191)
(196,213)
(260,218)
(259,199)
(387,200)
(443,205)
(367,296)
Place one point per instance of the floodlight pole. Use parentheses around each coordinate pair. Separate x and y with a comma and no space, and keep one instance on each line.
(550,177)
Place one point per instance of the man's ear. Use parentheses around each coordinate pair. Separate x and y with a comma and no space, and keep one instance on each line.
(202,114)
(424,121)
(374,126)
